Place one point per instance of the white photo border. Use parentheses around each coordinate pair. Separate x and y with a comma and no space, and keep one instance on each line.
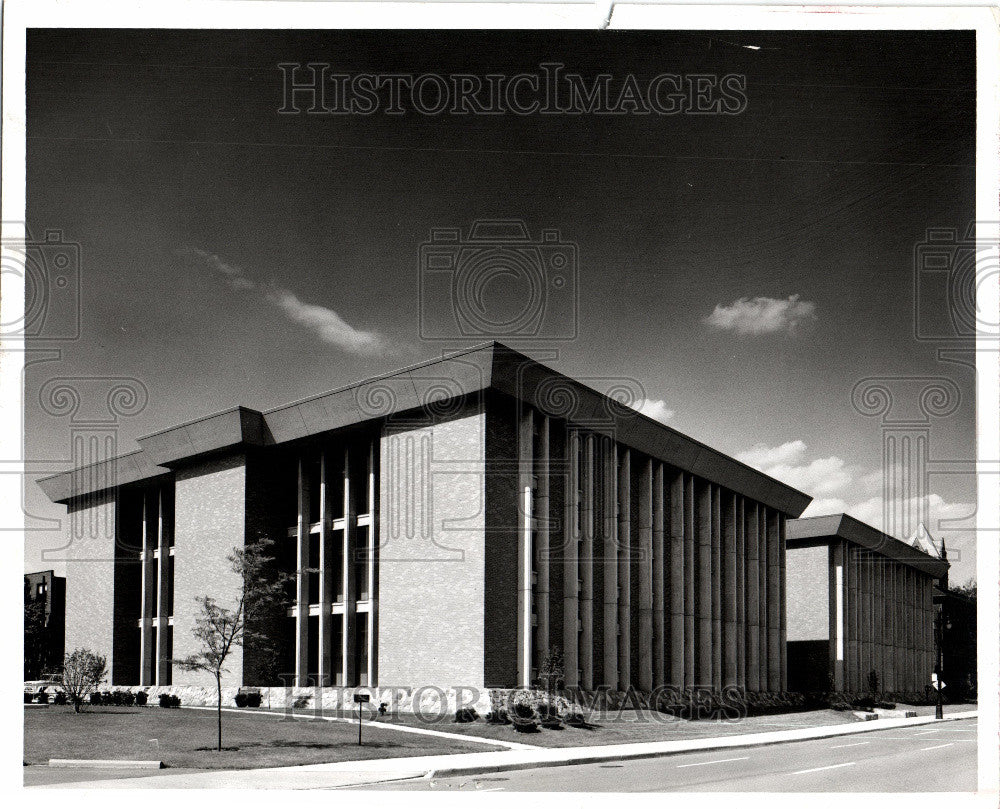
(19,15)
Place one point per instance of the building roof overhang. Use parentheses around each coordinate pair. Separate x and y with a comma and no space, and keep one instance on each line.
(490,367)
(825,529)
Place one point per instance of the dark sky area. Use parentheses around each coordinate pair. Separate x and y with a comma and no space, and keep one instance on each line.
(199,210)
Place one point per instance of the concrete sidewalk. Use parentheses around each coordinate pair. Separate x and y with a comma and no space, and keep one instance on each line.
(356,773)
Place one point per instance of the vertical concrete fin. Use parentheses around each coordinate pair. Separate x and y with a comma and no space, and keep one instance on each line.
(741,593)
(753,600)
(703,602)
(609,465)
(163,653)
(729,673)
(571,563)
(677,579)
(525,551)
(625,569)
(717,549)
(690,583)
(350,627)
(774,577)
(542,552)
(302,577)
(645,585)
(660,566)
(587,565)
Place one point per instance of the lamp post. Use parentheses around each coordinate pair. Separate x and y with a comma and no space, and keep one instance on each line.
(939,626)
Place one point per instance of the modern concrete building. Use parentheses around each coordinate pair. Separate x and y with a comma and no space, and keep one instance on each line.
(44,641)
(448,524)
(859,601)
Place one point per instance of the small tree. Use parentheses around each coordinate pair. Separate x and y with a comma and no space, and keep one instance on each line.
(221,629)
(550,673)
(83,671)
(873,684)
(968,590)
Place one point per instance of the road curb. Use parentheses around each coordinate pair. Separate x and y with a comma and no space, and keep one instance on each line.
(663,749)
(104,764)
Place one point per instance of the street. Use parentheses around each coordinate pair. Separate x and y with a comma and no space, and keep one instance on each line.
(919,759)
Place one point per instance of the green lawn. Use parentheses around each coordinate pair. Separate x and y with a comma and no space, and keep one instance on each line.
(628,726)
(186,738)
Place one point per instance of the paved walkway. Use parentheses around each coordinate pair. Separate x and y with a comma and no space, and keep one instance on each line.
(356,773)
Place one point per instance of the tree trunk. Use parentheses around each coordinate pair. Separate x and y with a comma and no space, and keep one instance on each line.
(218,691)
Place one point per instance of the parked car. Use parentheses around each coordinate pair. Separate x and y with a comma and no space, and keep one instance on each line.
(49,687)
(48,681)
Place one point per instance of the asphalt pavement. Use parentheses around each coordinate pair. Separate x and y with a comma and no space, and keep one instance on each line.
(939,758)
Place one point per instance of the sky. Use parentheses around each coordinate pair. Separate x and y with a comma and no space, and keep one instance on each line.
(743,271)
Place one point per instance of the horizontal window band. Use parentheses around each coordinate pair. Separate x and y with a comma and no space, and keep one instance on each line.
(363,521)
(337,608)
(155,622)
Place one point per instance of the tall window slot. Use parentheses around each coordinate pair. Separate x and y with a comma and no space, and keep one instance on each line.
(334,485)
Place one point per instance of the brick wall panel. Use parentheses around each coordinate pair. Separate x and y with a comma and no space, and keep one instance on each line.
(210,505)
(432,553)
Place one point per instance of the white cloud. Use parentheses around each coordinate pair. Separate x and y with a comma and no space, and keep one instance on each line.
(656,409)
(754,316)
(821,506)
(838,488)
(935,507)
(820,476)
(325,323)
(218,264)
(760,456)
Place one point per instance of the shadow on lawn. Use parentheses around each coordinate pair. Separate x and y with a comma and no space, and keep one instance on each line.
(290,744)
(586,726)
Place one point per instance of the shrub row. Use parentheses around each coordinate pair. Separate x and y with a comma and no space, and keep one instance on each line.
(466,715)
(248,699)
(121,698)
(860,704)
(730,704)
(841,701)
(532,709)
(526,711)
